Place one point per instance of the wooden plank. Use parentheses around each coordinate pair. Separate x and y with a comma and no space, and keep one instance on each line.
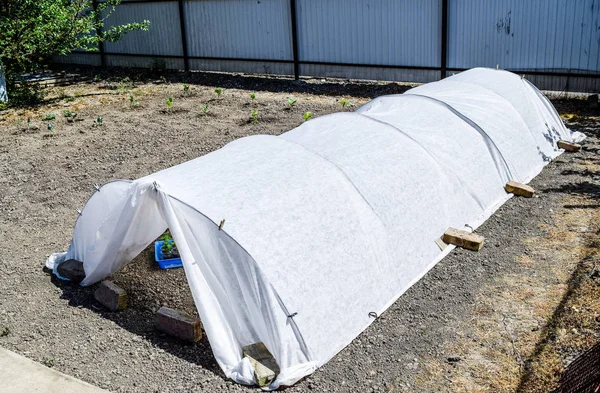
(464,239)
(513,187)
(568,146)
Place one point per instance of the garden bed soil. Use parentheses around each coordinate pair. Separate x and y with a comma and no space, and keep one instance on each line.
(45,177)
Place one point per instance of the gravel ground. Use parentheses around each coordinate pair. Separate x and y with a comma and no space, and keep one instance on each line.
(45,176)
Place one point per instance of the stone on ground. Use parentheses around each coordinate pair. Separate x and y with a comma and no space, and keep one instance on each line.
(178,325)
(265,366)
(111,296)
(71,269)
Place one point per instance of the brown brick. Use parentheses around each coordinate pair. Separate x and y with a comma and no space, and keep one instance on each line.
(265,366)
(568,146)
(512,187)
(464,239)
(178,325)
(111,296)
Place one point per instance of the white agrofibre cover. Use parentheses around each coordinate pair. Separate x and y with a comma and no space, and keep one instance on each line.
(329,222)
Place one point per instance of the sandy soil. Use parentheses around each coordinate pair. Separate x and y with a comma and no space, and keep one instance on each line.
(488,309)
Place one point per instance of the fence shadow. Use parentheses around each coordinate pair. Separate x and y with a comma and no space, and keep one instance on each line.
(251,82)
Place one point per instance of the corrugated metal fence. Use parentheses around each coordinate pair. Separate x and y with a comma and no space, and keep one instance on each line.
(555,42)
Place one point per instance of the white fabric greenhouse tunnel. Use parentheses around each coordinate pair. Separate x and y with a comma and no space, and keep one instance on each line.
(328,224)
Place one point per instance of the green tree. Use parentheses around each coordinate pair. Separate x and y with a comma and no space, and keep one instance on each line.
(32,31)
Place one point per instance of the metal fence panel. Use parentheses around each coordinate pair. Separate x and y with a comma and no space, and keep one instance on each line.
(557,35)
(163,37)
(365,39)
(383,32)
(257,29)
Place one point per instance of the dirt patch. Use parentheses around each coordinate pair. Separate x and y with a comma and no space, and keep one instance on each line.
(470,306)
(524,344)
(531,320)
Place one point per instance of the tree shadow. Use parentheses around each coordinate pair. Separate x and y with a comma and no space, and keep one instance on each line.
(582,188)
(48,101)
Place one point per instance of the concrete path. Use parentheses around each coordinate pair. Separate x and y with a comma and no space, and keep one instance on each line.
(21,375)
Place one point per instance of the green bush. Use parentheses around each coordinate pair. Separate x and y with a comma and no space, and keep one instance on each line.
(32,31)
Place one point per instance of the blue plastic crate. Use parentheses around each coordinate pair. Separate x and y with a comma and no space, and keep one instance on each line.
(162,262)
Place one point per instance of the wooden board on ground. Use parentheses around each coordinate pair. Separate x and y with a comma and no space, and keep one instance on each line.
(464,239)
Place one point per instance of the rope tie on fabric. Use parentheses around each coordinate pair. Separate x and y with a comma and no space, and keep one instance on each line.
(470,227)
(292,315)
(96,186)
(373,314)
(221,224)
(155,186)
(79,211)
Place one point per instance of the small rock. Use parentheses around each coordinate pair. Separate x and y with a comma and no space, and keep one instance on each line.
(265,366)
(454,359)
(111,296)
(71,269)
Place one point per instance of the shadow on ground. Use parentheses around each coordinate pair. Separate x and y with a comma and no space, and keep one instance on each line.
(140,322)
(586,120)
(550,330)
(270,83)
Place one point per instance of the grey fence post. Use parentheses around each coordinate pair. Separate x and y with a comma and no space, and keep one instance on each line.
(295,39)
(186,58)
(444,54)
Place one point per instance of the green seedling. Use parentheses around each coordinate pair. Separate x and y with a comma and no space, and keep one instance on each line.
(169,102)
(49,362)
(51,128)
(124,85)
(254,116)
(99,120)
(307,116)
(168,246)
(67,113)
(132,100)
(69,99)
(49,116)
(5,332)
(218,91)
(344,102)
(253,96)
(186,88)
(291,102)
(204,109)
